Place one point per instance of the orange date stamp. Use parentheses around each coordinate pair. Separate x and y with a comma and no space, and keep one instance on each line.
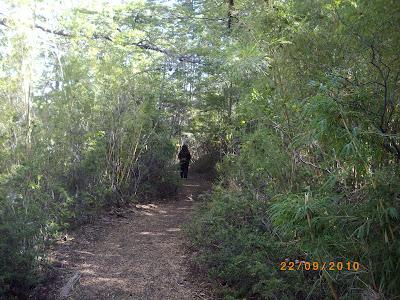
(297,265)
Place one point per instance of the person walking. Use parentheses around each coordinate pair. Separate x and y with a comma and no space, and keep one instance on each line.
(184,160)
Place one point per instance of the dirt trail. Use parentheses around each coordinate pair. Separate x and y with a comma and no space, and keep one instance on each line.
(137,255)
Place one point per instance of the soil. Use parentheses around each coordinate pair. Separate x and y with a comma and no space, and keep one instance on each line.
(136,253)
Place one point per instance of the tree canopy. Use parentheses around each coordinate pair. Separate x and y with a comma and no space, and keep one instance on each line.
(297,100)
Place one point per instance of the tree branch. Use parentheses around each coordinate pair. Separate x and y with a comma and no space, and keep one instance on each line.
(3,22)
(298,155)
(144,46)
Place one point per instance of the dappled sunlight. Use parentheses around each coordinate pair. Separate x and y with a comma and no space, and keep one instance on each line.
(150,209)
(147,213)
(104,280)
(151,233)
(185,208)
(146,206)
(139,259)
(84,252)
(173,229)
(88,272)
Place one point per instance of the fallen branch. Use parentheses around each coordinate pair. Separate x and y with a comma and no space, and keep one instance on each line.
(66,289)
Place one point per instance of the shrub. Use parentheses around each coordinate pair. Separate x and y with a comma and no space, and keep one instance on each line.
(239,249)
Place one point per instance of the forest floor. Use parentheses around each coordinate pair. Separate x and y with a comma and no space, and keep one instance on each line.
(136,253)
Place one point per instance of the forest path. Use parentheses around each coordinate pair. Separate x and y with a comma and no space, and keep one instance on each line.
(139,254)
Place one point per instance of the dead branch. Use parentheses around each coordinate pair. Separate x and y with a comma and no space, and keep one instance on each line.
(298,156)
(67,288)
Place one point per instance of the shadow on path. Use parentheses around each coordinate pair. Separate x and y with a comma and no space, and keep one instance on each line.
(139,256)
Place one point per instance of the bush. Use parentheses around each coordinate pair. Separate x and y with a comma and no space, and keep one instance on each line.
(23,233)
(243,236)
(236,245)
(51,193)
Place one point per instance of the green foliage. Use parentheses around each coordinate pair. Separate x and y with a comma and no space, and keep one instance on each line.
(239,250)
(312,134)
(23,231)
(85,123)
(298,101)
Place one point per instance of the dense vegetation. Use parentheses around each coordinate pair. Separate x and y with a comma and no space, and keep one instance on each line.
(311,169)
(298,100)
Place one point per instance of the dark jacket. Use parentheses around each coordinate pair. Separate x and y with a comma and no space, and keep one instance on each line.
(184,155)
